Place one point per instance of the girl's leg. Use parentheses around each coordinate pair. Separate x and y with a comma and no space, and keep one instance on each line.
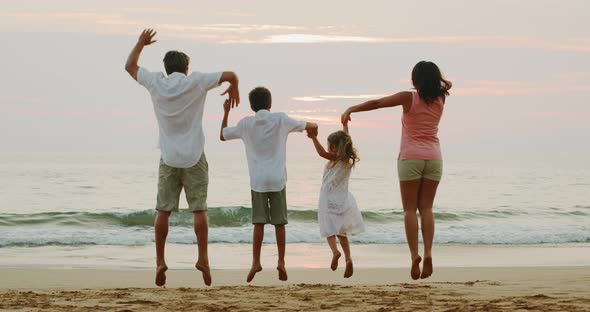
(346,248)
(409,192)
(427,194)
(335,253)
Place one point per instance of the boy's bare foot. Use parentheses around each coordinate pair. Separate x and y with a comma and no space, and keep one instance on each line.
(255,269)
(161,274)
(204,268)
(335,257)
(348,271)
(282,272)
(415,273)
(427,268)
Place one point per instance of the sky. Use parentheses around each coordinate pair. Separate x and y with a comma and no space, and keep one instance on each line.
(520,70)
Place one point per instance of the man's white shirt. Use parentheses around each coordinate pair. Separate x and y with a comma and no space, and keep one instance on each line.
(265,140)
(179,102)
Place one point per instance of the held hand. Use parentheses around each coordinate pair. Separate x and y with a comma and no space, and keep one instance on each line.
(233,94)
(146,37)
(226,106)
(345,118)
(312,133)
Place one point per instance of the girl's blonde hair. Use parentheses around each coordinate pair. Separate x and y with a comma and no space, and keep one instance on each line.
(342,142)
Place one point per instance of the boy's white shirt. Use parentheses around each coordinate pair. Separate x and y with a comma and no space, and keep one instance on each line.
(179,102)
(265,139)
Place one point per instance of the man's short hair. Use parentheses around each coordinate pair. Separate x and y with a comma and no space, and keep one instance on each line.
(176,62)
(260,98)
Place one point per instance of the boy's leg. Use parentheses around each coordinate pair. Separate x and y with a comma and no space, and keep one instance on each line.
(281,238)
(260,216)
(169,188)
(335,253)
(278,217)
(257,238)
(346,248)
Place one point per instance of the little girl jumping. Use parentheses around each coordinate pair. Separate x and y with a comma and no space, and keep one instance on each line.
(338,214)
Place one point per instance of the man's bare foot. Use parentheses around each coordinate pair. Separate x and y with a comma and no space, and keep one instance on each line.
(335,257)
(415,273)
(204,268)
(348,271)
(161,275)
(427,268)
(255,269)
(282,272)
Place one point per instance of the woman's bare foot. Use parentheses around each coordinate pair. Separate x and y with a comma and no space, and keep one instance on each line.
(204,268)
(415,273)
(282,272)
(348,271)
(255,269)
(161,275)
(335,257)
(427,268)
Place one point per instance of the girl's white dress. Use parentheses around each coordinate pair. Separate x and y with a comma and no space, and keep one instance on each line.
(338,213)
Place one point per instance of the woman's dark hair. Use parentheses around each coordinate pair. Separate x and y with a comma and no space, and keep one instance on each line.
(429,82)
(260,98)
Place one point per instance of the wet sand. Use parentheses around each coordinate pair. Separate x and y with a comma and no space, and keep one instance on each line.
(450,289)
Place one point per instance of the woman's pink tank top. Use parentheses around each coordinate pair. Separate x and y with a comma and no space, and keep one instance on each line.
(420,130)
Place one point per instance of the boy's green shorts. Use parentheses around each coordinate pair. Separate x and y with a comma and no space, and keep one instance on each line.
(194,180)
(269,207)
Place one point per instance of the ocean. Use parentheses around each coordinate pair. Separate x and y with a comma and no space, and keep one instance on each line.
(100,201)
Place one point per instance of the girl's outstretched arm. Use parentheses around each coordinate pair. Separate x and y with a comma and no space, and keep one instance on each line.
(401,98)
(313,135)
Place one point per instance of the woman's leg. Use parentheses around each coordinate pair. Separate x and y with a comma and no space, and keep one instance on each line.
(426,200)
(409,193)
(346,248)
(335,253)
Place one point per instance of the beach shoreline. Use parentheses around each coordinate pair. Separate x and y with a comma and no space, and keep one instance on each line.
(476,288)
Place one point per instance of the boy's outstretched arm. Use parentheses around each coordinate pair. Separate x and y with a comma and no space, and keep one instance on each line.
(313,135)
(233,91)
(226,108)
(145,39)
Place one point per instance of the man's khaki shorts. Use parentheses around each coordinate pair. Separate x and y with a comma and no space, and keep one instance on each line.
(269,207)
(194,180)
(414,169)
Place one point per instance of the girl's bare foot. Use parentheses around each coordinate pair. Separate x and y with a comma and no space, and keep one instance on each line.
(335,257)
(348,271)
(427,268)
(415,273)
(255,269)
(204,268)
(161,274)
(282,272)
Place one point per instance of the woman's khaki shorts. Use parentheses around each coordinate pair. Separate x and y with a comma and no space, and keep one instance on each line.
(414,169)
(194,180)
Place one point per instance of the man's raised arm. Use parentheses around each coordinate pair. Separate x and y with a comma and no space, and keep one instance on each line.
(145,39)
(233,91)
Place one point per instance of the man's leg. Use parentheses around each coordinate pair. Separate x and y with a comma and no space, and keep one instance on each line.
(161,228)
(202,231)
(257,238)
(281,241)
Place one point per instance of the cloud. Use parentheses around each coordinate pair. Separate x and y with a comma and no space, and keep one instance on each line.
(317,98)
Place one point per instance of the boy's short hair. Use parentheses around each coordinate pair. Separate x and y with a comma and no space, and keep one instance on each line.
(260,98)
(176,62)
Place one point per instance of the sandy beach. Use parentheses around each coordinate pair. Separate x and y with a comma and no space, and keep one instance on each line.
(450,289)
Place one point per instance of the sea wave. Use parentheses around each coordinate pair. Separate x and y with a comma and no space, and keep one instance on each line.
(237,216)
